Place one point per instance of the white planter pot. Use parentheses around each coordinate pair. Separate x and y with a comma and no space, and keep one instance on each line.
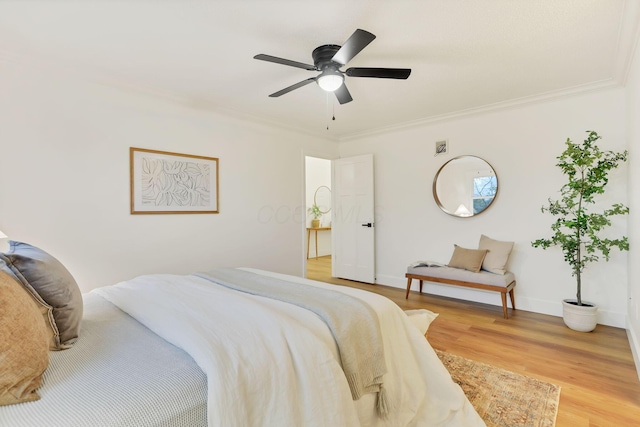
(581,318)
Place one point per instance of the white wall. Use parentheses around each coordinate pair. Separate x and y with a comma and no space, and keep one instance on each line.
(633,126)
(318,173)
(65,174)
(521,144)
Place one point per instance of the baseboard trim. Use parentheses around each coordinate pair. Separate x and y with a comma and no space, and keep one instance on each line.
(632,334)
(552,308)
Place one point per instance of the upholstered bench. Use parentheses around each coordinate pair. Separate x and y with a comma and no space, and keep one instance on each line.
(503,283)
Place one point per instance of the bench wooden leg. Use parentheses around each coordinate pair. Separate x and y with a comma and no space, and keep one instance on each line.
(409,280)
(504,304)
(509,289)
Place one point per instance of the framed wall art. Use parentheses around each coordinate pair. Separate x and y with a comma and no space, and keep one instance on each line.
(172,183)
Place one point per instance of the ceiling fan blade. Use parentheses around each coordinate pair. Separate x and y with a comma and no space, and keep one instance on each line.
(283,61)
(381,73)
(343,95)
(358,41)
(292,87)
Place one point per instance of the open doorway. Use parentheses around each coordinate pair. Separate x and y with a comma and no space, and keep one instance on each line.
(318,206)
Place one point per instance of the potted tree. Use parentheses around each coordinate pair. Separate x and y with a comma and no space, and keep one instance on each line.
(316,213)
(576,229)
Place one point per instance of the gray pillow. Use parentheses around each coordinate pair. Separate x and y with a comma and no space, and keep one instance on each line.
(47,279)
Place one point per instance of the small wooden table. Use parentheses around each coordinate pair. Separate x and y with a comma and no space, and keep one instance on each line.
(316,229)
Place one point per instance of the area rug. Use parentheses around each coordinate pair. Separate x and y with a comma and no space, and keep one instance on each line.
(503,398)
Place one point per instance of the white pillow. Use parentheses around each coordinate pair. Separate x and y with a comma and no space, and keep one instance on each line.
(498,255)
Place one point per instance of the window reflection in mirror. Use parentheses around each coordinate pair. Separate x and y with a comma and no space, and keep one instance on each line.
(465,186)
(484,191)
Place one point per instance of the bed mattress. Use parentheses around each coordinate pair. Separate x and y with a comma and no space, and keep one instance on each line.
(110,377)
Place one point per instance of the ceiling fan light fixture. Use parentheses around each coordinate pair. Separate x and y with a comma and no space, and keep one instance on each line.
(330,80)
(328,59)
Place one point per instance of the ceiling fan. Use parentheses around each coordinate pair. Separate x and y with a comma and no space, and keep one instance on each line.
(329,58)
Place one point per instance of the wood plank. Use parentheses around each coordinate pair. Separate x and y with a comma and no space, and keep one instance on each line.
(595,370)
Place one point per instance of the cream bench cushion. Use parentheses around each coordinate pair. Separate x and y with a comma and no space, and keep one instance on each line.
(482,277)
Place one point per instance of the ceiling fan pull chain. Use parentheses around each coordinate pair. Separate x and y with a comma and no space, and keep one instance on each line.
(327,109)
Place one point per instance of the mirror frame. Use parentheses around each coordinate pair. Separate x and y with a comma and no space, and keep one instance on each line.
(315,198)
(435,192)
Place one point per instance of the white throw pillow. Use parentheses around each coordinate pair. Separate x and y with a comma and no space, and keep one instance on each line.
(498,255)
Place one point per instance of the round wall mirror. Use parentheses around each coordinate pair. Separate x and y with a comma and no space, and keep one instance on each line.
(465,186)
(322,198)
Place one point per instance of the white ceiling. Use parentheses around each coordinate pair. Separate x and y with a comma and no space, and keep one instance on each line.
(464,55)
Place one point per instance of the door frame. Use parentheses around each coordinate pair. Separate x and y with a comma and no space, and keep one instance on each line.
(303,224)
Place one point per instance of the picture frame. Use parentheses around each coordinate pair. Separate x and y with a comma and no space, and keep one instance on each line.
(163,182)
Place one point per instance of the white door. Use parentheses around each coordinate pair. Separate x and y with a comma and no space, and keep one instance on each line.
(353,234)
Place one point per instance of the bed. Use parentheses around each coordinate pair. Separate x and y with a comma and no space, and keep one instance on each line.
(262,362)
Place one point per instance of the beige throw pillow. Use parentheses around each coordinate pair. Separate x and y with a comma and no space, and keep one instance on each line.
(24,343)
(468,259)
(498,255)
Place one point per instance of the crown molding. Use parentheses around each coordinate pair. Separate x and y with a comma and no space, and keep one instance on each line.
(488,108)
(80,74)
(626,46)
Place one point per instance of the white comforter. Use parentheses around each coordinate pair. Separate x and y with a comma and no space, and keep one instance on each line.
(269,363)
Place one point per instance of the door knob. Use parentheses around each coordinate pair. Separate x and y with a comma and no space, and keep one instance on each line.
(368,225)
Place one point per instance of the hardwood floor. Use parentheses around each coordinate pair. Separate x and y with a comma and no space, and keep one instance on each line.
(595,370)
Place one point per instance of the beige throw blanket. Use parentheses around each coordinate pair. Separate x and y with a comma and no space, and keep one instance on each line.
(353,323)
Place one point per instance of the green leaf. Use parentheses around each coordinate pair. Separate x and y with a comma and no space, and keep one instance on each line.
(576,229)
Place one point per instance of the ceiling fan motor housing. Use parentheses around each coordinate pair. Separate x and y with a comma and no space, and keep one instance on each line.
(323,55)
